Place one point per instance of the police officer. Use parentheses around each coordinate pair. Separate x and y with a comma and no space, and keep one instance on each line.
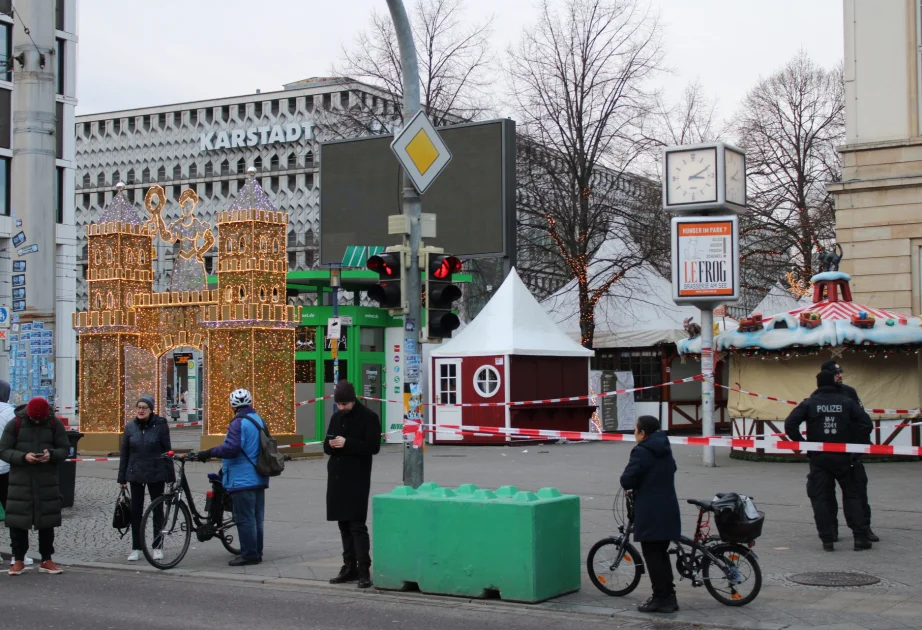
(832,417)
(861,473)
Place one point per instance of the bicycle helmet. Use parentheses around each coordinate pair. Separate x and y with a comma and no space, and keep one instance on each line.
(240,398)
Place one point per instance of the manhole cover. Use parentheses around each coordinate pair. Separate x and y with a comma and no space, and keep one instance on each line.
(834,578)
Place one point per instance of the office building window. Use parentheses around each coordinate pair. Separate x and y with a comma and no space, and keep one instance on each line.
(59,51)
(6,50)
(59,14)
(59,194)
(5,186)
(6,118)
(59,129)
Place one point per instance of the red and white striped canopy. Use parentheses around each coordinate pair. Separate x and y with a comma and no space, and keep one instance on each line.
(844,311)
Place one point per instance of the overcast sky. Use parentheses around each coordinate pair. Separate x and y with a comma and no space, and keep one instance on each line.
(135,54)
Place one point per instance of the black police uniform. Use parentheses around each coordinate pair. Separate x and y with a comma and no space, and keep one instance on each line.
(860,472)
(832,417)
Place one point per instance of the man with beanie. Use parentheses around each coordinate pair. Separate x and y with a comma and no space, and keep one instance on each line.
(353,437)
(33,444)
(832,417)
(861,474)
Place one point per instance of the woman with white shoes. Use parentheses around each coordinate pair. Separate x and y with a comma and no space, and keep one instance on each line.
(144,442)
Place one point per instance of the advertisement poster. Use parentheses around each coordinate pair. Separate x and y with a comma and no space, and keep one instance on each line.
(705,258)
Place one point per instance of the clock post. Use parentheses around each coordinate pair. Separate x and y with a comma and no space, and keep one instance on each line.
(704,186)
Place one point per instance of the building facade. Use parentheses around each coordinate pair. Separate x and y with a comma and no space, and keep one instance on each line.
(208,146)
(52,36)
(879,200)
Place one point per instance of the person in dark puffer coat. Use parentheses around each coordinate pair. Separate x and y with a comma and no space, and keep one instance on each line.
(141,464)
(650,474)
(33,444)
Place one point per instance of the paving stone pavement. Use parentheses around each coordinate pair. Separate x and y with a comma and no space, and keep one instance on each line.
(302,545)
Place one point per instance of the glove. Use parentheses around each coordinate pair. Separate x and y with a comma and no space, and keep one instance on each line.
(203,456)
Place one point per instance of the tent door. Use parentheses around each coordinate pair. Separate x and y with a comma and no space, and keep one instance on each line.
(448,392)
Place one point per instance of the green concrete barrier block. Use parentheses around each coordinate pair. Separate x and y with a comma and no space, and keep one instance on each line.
(519,545)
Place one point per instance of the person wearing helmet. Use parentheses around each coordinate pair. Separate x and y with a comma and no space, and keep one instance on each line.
(247,488)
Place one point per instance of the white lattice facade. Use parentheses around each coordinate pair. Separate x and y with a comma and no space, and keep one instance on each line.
(208,146)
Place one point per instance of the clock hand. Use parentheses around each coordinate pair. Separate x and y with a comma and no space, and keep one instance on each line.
(698,174)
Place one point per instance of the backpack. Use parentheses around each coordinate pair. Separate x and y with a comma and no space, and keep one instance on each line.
(269,463)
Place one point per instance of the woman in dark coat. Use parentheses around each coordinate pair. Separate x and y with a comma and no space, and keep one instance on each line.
(353,437)
(144,442)
(650,475)
(33,444)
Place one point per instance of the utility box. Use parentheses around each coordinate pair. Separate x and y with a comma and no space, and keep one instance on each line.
(519,546)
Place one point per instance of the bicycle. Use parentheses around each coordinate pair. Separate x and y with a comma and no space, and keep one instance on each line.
(614,558)
(168,522)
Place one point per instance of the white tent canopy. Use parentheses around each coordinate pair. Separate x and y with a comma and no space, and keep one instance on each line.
(638,312)
(779,300)
(512,322)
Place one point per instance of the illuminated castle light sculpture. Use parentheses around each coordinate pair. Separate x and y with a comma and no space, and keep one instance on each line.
(244,328)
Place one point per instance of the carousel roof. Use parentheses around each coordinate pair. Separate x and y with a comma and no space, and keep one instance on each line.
(842,321)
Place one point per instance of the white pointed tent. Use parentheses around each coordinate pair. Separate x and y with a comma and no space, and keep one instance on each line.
(512,323)
(779,300)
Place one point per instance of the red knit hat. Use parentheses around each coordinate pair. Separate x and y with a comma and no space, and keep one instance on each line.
(38,409)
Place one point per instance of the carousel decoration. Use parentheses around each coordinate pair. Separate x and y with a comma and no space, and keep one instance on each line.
(244,328)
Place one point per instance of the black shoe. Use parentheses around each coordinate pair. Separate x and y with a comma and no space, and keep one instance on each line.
(346,574)
(828,546)
(835,538)
(240,561)
(862,544)
(364,578)
(872,536)
(660,605)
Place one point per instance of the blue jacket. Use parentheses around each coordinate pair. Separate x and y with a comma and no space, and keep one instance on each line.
(240,453)
(650,473)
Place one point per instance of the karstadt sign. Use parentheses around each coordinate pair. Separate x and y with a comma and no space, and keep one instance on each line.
(253,136)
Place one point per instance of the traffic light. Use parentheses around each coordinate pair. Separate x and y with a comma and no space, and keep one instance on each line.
(389,292)
(440,293)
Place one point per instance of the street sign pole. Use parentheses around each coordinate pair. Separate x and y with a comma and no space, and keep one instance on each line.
(707,385)
(412,208)
(335,282)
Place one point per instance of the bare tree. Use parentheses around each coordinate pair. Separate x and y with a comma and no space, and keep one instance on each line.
(789,124)
(455,65)
(580,81)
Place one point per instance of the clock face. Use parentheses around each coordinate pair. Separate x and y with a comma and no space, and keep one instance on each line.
(691,176)
(735,177)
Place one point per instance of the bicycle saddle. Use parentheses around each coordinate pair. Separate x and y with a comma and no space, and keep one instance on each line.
(704,505)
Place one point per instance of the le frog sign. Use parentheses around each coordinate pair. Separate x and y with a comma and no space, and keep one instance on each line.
(705,255)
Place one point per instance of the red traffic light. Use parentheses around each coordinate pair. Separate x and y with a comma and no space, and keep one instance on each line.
(442,267)
(381,267)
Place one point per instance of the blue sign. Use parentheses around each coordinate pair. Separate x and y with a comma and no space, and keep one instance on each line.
(4,315)
(412,359)
(410,343)
(410,325)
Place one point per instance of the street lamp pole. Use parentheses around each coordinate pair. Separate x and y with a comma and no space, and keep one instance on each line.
(412,208)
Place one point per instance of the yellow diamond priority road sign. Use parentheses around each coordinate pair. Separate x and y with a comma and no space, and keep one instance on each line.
(420,151)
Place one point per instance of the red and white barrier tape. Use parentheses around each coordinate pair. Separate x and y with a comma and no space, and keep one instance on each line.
(884,412)
(726,442)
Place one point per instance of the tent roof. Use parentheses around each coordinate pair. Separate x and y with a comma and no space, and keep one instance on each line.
(779,300)
(512,322)
(639,314)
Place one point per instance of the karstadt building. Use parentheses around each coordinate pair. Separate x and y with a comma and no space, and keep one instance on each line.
(208,146)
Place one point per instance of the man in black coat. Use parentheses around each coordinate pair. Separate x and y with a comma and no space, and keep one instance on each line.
(860,473)
(353,437)
(832,417)
(650,474)
(33,444)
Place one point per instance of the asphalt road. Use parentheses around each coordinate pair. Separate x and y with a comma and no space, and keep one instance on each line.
(85,599)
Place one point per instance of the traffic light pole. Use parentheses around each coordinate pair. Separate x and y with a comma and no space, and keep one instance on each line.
(412,207)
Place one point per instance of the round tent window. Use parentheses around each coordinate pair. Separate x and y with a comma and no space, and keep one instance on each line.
(486,381)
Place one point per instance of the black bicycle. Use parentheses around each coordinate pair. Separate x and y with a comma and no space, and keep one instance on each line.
(728,570)
(168,523)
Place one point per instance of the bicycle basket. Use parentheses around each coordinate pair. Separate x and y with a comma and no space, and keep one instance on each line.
(733,523)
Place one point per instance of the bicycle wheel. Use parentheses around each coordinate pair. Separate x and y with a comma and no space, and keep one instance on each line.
(165,545)
(742,580)
(229,537)
(615,570)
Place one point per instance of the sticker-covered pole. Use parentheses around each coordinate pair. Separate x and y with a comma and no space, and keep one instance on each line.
(707,385)
(412,208)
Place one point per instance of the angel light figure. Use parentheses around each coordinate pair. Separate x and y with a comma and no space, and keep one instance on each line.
(189,266)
